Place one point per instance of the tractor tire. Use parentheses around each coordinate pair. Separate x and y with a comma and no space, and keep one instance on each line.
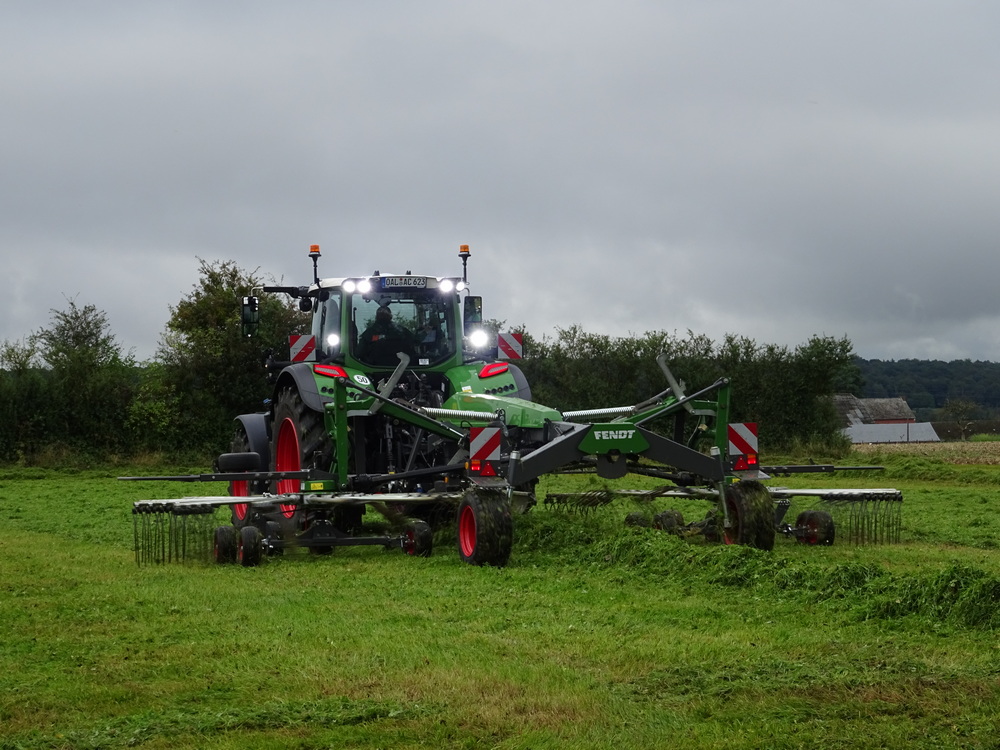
(224,546)
(418,539)
(816,527)
(250,551)
(751,515)
(485,528)
(299,442)
(242,512)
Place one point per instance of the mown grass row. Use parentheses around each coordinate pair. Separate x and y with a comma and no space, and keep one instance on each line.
(959,594)
(596,635)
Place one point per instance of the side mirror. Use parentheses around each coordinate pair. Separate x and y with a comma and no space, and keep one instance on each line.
(473,312)
(250,315)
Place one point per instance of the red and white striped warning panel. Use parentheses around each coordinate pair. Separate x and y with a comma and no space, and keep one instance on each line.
(303,348)
(510,346)
(484,443)
(484,450)
(742,438)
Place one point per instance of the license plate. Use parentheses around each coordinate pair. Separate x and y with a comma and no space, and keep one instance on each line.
(406,282)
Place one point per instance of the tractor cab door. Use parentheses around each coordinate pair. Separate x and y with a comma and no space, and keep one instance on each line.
(326,325)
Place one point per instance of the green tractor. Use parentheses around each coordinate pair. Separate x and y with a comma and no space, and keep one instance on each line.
(374,401)
(394,403)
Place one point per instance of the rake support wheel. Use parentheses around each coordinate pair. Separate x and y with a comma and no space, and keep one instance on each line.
(669,520)
(485,528)
(250,551)
(224,544)
(418,539)
(750,509)
(816,527)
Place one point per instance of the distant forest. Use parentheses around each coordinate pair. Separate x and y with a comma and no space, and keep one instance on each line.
(927,385)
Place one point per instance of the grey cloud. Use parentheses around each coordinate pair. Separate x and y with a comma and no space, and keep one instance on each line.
(771,169)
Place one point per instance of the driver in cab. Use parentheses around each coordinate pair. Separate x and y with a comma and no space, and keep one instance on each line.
(383,339)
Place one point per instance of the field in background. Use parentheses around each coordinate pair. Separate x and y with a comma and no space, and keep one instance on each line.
(968,452)
(596,635)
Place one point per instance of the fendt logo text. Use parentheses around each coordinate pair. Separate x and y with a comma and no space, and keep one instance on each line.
(613,434)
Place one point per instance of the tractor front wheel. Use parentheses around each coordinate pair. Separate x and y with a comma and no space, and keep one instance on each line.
(299,437)
(750,511)
(485,528)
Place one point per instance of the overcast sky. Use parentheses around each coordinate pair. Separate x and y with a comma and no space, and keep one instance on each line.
(770,169)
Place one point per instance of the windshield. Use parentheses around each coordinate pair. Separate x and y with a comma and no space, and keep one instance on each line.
(416,322)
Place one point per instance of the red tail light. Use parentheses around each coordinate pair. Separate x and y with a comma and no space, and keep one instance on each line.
(330,371)
(496,368)
(745,462)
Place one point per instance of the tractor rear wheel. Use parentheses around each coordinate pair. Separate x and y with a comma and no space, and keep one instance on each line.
(224,546)
(241,511)
(250,550)
(750,509)
(816,527)
(485,528)
(418,539)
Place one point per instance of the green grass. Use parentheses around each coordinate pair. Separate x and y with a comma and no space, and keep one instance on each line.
(596,635)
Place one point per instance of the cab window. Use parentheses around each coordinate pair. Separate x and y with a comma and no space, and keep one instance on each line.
(418,323)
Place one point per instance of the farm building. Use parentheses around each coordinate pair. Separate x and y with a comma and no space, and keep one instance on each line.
(881,420)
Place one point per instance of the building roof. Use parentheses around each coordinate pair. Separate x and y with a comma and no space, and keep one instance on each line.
(859,411)
(900,432)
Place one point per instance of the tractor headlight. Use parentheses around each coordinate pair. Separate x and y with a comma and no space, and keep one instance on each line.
(446,285)
(332,341)
(356,285)
(479,338)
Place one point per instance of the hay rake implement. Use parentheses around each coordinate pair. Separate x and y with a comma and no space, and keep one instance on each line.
(860,516)
(394,405)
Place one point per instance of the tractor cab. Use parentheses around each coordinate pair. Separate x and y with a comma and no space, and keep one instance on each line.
(367,322)
(363,327)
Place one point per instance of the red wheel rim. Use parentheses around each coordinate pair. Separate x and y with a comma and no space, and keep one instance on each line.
(240,489)
(467,531)
(409,546)
(812,537)
(288,457)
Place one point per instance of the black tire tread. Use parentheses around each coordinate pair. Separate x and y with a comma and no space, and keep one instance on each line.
(224,545)
(494,528)
(753,508)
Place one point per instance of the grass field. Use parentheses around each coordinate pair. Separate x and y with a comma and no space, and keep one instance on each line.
(596,635)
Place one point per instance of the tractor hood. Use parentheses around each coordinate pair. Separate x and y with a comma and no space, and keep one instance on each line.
(518,412)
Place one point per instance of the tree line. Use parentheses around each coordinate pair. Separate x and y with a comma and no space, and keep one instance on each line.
(69,391)
(933,387)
